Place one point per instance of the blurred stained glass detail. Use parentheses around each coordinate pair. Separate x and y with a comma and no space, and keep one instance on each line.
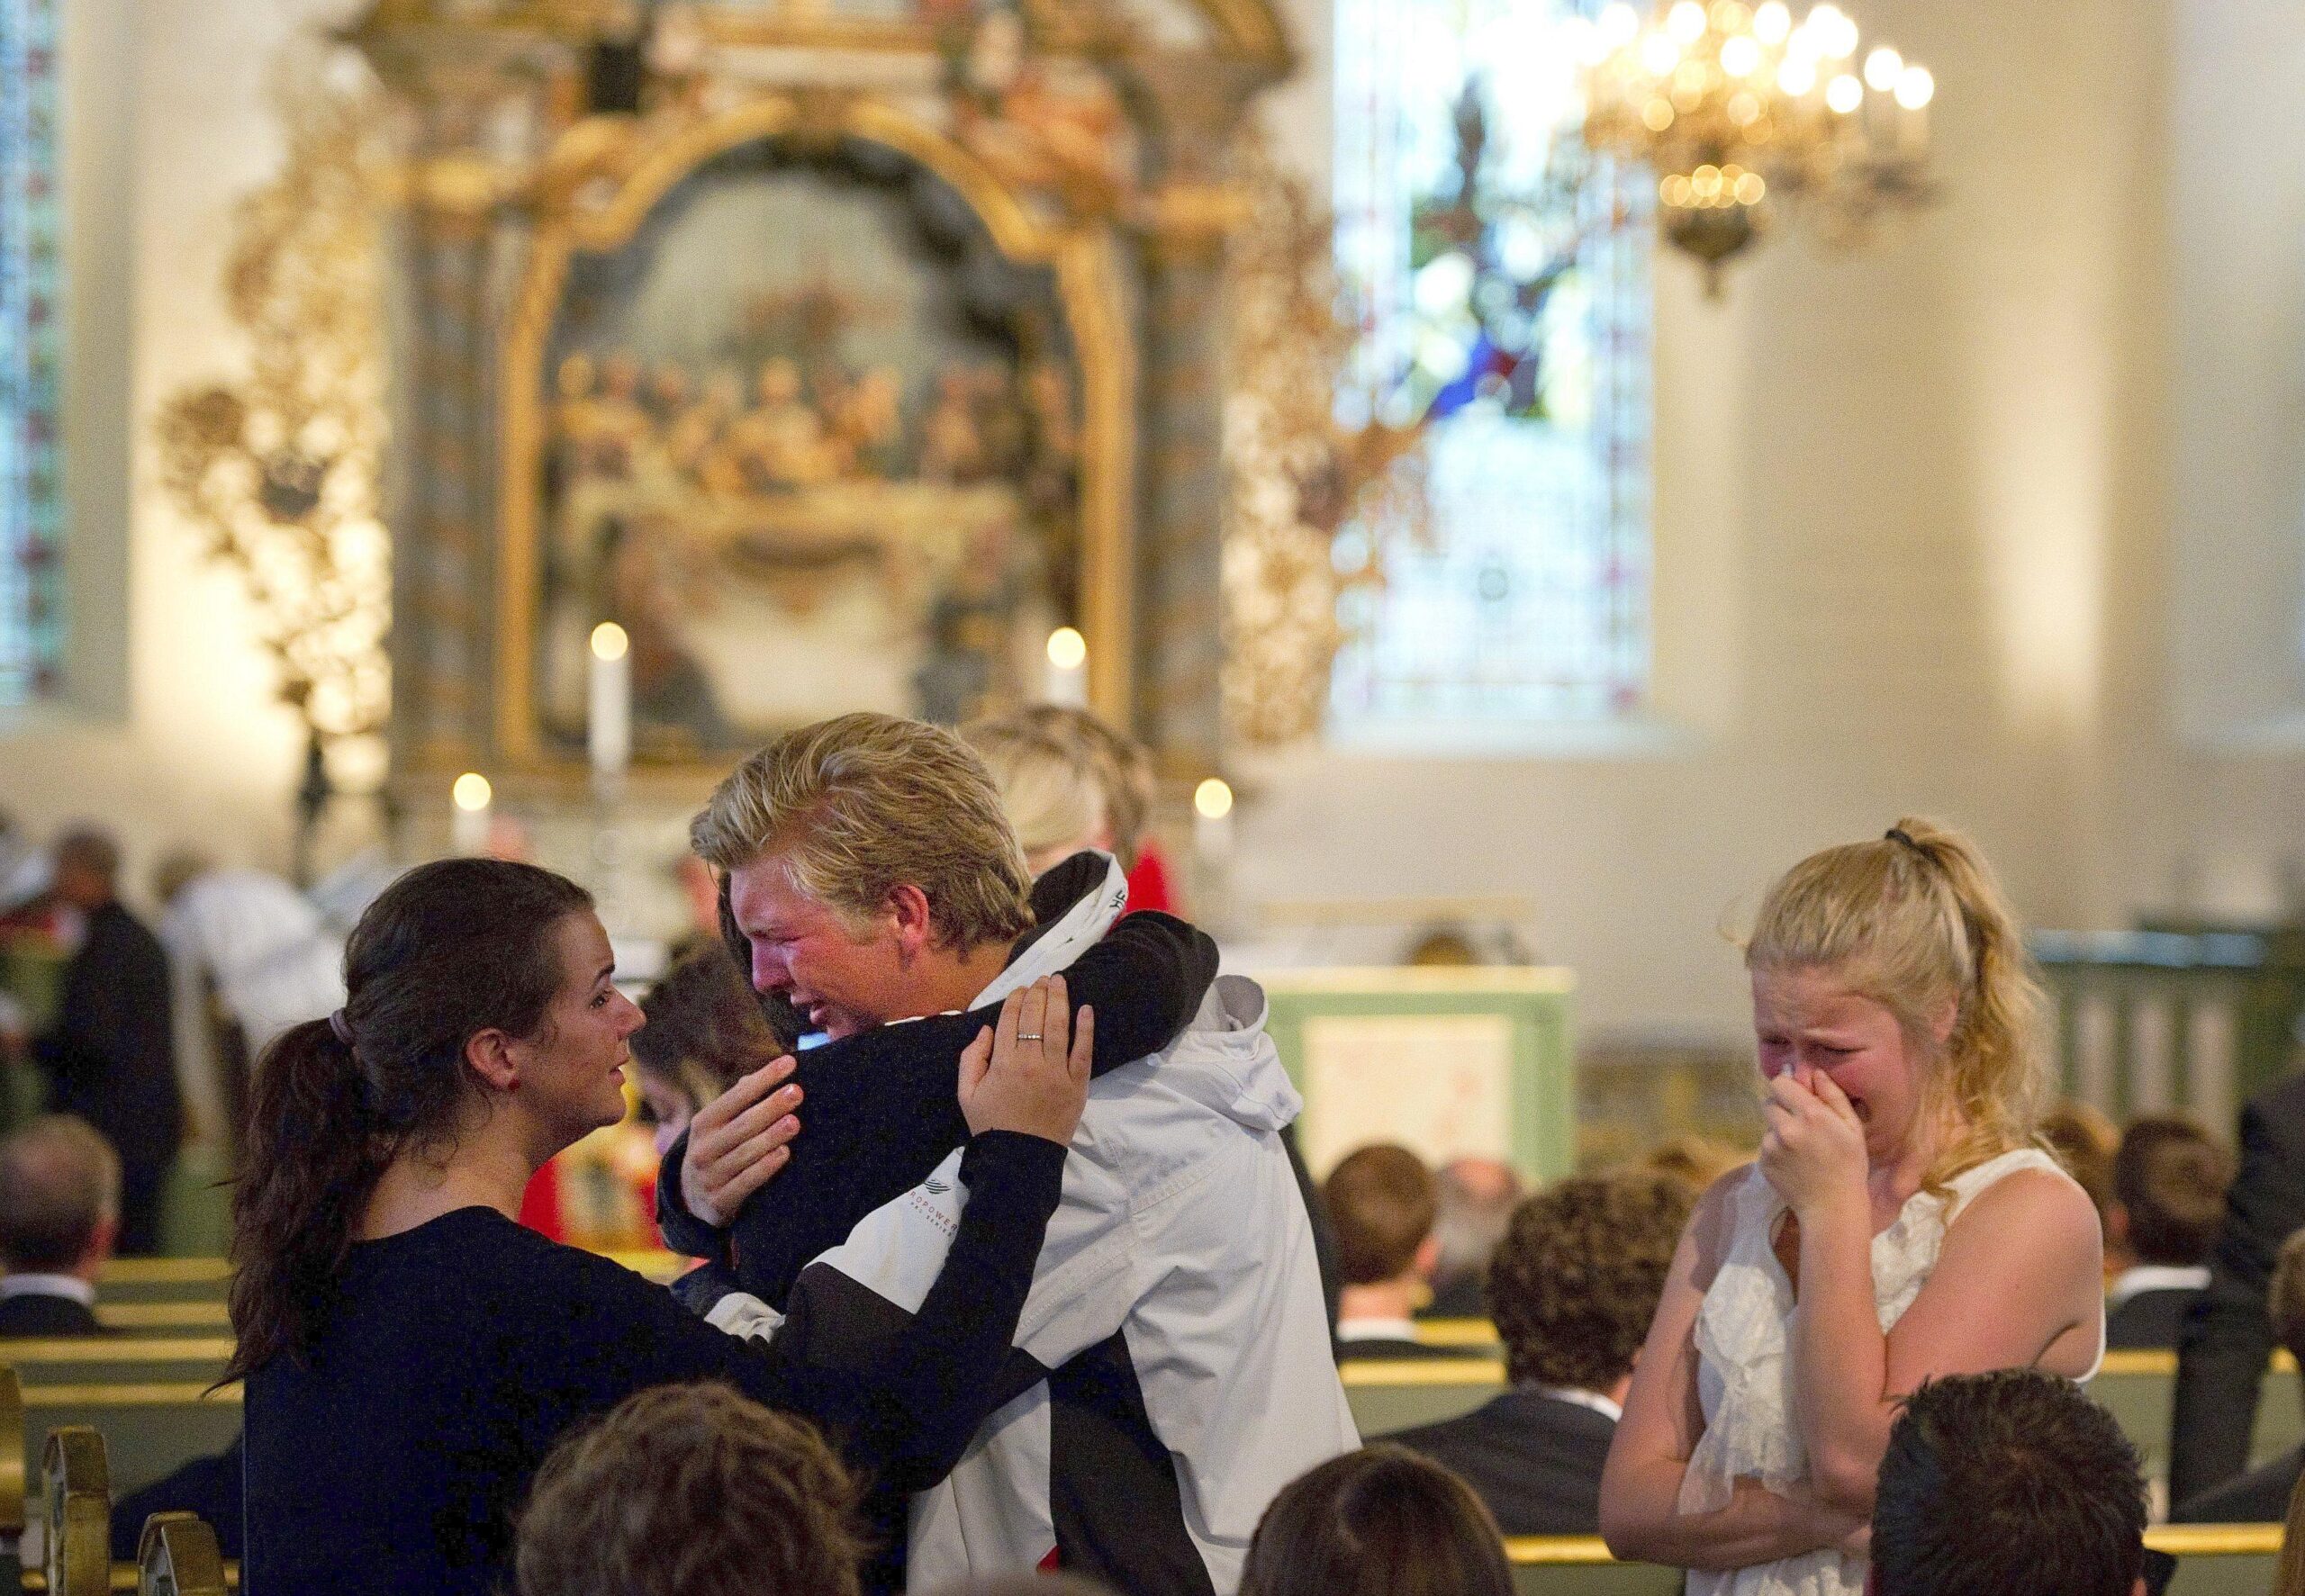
(31,495)
(1500,278)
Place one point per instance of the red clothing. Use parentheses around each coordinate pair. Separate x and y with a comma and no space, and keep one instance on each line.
(540,1203)
(1148,883)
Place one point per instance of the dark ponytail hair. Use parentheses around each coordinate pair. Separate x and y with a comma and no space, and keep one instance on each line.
(450,949)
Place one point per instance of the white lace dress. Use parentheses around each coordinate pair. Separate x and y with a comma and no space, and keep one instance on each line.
(1744,1364)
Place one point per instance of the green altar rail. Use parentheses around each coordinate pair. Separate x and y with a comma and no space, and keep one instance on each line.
(2248,985)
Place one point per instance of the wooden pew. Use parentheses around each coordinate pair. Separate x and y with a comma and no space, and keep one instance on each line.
(2139,1389)
(1477,1337)
(163,1280)
(1393,1395)
(100,1360)
(178,1557)
(166,1319)
(2219,1559)
(76,1553)
(1580,1566)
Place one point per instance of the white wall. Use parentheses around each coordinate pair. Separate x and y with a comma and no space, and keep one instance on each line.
(169,731)
(1910,522)
(1913,513)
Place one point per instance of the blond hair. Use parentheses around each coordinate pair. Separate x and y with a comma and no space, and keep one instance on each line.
(855,807)
(1916,920)
(1049,787)
(1124,769)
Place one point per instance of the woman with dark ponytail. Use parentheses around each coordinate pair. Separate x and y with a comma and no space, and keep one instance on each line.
(411,1353)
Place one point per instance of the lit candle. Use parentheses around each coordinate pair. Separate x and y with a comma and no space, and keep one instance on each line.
(1068,669)
(468,817)
(1212,827)
(609,728)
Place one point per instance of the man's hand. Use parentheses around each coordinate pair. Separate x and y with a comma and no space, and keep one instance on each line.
(1030,1073)
(736,1142)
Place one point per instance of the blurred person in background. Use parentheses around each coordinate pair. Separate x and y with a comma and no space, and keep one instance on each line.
(1124,769)
(248,958)
(110,1056)
(2261,1496)
(1381,1521)
(1476,1198)
(2085,1141)
(1695,1161)
(706,1031)
(60,1214)
(2169,1181)
(1381,1201)
(1572,1287)
(1049,789)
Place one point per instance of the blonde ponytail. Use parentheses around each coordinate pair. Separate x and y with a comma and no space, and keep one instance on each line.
(1913,920)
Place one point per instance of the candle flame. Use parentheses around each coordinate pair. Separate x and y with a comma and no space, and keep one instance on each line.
(1212,798)
(1067,649)
(472,792)
(609,641)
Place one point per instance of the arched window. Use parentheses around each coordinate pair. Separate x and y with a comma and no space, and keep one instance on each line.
(30,328)
(1501,281)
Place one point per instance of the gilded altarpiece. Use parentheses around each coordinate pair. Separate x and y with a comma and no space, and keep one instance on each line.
(836,355)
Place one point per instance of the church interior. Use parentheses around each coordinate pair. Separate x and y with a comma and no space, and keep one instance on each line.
(1520,475)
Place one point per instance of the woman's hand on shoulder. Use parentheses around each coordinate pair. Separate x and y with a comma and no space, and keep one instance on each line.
(738,1141)
(1030,1071)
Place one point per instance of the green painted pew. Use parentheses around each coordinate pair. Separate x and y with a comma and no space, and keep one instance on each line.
(1393,1395)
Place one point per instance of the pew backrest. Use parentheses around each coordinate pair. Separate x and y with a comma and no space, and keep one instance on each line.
(1394,1395)
(178,1555)
(76,1551)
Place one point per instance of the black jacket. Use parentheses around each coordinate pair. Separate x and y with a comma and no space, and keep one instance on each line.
(2226,1340)
(112,1058)
(1533,1458)
(40,1315)
(2261,1496)
(2151,1320)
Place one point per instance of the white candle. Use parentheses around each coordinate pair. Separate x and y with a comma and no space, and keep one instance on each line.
(1212,828)
(608,726)
(1068,669)
(468,814)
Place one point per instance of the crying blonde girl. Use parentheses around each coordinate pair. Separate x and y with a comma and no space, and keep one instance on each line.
(1898,1224)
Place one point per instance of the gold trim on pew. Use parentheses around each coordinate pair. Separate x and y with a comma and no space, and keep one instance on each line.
(157,1394)
(1456,1333)
(123,1576)
(2161,1361)
(2215,1540)
(1553,1550)
(116,1349)
(1421,1371)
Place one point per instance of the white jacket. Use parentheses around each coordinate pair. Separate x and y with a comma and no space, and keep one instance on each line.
(1177,1292)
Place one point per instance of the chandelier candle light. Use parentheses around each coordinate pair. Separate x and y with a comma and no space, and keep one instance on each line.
(1737,109)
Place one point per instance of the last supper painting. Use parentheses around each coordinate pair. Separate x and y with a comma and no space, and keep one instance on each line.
(812,440)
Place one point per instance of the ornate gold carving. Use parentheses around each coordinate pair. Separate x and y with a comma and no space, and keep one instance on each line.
(613,181)
(278,470)
(1294,476)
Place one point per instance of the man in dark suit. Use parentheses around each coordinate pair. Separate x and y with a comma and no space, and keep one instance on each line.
(1572,1287)
(111,1058)
(60,1209)
(2261,1496)
(1381,1204)
(2169,1181)
(2227,1338)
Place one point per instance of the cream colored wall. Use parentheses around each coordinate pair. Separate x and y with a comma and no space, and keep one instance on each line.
(169,732)
(1911,513)
(1908,513)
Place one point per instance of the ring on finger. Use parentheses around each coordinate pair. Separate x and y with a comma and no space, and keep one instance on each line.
(1030,1036)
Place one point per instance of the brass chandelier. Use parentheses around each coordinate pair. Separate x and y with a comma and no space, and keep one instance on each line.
(1739,110)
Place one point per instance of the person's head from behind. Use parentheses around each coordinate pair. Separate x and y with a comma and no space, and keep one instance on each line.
(86,867)
(179,869)
(2169,1181)
(1381,1202)
(1474,1199)
(2012,1482)
(2285,1296)
(1695,1161)
(705,1029)
(1124,768)
(1381,1521)
(870,871)
(480,1007)
(689,1491)
(59,1197)
(1575,1280)
(1049,789)
(2086,1141)
(1895,970)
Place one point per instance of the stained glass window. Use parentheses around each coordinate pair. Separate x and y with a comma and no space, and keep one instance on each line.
(1501,282)
(31,484)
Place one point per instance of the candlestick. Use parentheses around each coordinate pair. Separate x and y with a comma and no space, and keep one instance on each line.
(608,726)
(468,818)
(1212,826)
(1068,669)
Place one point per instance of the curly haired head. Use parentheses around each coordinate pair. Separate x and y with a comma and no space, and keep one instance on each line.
(691,1490)
(1576,1281)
